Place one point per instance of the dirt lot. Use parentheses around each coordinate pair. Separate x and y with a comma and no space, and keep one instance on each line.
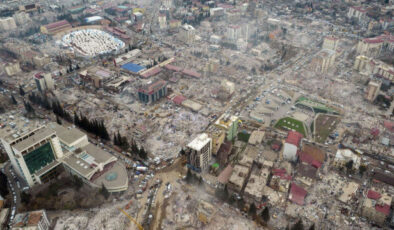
(324,126)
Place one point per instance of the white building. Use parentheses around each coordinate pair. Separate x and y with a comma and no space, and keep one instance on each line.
(187,33)
(199,152)
(330,43)
(35,220)
(233,32)
(228,86)
(343,156)
(162,21)
(7,24)
(36,151)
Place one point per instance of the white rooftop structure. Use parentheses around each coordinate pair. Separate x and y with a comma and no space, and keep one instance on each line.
(199,142)
(345,155)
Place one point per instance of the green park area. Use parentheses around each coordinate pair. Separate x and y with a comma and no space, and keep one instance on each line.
(289,123)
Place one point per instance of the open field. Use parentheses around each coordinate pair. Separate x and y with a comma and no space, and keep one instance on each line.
(324,125)
(289,123)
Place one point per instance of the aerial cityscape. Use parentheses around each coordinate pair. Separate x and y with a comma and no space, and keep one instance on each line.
(196,114)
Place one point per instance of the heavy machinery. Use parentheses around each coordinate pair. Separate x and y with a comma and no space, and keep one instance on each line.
(131,219)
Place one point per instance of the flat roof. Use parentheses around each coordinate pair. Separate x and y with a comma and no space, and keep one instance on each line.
(115,179)
(67,135)
(199,142)
(238,176)
(132,67)
(86,161)
(36,137)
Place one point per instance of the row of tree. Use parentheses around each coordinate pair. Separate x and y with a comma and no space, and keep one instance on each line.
(93,126)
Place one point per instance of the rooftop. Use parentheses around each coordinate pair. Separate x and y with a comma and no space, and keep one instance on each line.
(199,142)
(238,176)
(348,192)
(297,194)
(28,219)
(34,138)
(153,87)
(67,135)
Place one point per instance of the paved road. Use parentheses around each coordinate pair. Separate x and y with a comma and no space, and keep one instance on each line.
(14,191)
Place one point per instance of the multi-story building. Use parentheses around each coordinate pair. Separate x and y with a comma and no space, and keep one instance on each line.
(199,152)
(233,32)
(153,92)
(38,153)
(187,33)
(56,27)
(255,185)
(44,81)
(357,12)
(41,60)
(97,76)
(372,90)
(12,68)
(330,43)
(230,124)
(324,60)
(237,179)
(343,156)
(292,145)
(162,21)
(35,220)
(7,24)
(368,66)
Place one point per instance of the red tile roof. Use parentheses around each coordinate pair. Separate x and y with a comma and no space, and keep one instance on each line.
(225,175)
(178,99)
(153,87)
(373,195)
(151,72)
(191,73)
(173,68)
(385,209)
(57,24)
(389,125)
(306,158)
(297,194)
(294,137)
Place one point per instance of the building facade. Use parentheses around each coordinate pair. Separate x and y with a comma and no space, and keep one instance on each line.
(36,152)
(44,81)
(35,220)
(153,92)
(7,24)
(372,90)
(199,152)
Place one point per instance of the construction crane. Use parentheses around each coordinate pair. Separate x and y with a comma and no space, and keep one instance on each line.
(131,219)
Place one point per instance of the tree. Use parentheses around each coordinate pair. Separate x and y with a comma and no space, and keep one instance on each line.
(298,226)
(312,227)
(105,192)
(78,182)
(13,100)
(58,120)
(142,153)
(21,91)
(265,214)
(349,165)
(252,210)
(182,152)
(25,197)
(362,169)
(3,185)
(189,176)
